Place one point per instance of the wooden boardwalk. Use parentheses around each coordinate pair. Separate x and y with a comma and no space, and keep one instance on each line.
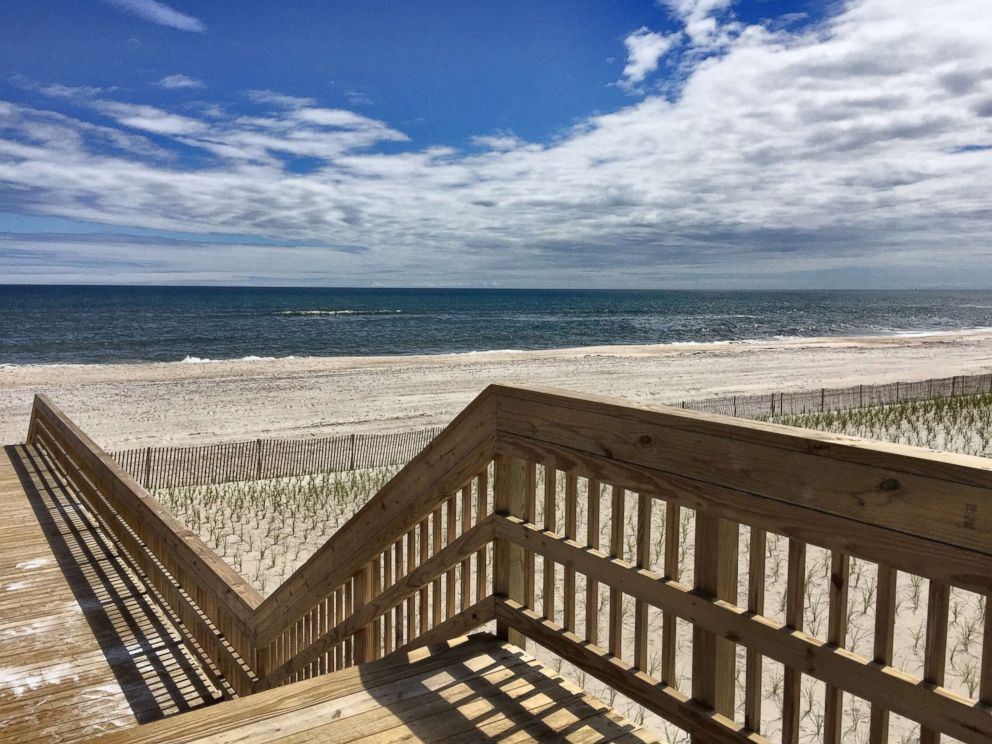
(467,690)
(84,646)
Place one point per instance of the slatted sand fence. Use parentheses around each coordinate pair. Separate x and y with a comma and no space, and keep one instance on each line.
(765,405)
(530,488)
(260,459)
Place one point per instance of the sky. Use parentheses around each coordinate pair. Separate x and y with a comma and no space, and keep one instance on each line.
(579,143)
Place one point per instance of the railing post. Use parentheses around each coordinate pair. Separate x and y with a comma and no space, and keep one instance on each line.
(713,658)
(33,423)
(508,569)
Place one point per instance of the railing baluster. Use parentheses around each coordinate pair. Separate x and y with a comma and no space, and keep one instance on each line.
(435,548)
(387,618)
(400,573)
(985,683)
(449,575)
(643,561)
(794,612)
(935,656)
(755,604)
(466,565)
(715,574)
(840,574)
(424,608)
(375,587)
(571,533)
(530,515)
(482,511)
(592,540)
(411,601)
(885,623)
(550,523)
(669,638)
(508,568)
(617,524)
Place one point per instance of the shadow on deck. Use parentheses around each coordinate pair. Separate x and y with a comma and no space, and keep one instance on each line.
(472,689)
(144,658)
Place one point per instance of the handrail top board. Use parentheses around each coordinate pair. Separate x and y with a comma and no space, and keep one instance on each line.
(951,466)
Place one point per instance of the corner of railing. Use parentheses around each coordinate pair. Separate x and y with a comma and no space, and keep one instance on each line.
(38,401)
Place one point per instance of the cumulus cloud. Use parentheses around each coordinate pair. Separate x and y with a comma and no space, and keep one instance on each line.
(177,81)
(700,19)
(854,144)
(160,13)
(645,48)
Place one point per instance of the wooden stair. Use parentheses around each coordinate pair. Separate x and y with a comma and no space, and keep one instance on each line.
(475,688)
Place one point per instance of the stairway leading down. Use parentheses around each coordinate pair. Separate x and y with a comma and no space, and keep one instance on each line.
(467,690)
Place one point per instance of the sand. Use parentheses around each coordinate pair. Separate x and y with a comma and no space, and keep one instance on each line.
(132,405)
(128,405)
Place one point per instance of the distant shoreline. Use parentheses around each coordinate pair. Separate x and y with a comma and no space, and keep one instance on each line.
(191,360)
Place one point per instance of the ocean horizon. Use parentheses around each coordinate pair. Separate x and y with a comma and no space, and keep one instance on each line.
(86,324)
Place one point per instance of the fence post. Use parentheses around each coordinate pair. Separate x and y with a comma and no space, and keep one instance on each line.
(508,559)
(823,399)
(861,396)
(258,459)
(773,404)
(953,385)
(735,406)
(352,465)
(897,392)
(148,468)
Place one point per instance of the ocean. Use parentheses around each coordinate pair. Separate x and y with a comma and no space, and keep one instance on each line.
(88,324)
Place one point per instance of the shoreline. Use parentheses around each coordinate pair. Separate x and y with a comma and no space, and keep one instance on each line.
(624,349)
(150,403)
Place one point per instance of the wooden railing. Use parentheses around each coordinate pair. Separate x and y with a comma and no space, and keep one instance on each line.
(577,522)
(215,605)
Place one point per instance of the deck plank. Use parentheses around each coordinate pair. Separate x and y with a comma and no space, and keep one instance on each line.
(469,689)
(84,647)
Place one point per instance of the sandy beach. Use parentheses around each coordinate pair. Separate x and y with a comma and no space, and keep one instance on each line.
(124,405)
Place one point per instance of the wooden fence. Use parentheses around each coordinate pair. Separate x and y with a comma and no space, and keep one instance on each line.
(257,459)
(474,526)
(768,405)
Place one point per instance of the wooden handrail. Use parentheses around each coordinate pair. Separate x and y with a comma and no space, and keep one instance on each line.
(456,454)
(467,514)
(212,600)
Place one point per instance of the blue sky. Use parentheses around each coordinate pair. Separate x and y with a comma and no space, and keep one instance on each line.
(678,143)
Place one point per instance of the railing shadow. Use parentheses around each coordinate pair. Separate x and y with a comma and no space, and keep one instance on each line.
(153,667)
(495,694)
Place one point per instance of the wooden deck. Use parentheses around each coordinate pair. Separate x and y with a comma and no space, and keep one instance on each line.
(84,646)
(468,690)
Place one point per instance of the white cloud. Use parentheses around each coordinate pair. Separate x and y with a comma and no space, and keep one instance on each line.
(851,145)
(178,81)
(699,17)
(645,48)
(160,13)
(502,142)
(279,99)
